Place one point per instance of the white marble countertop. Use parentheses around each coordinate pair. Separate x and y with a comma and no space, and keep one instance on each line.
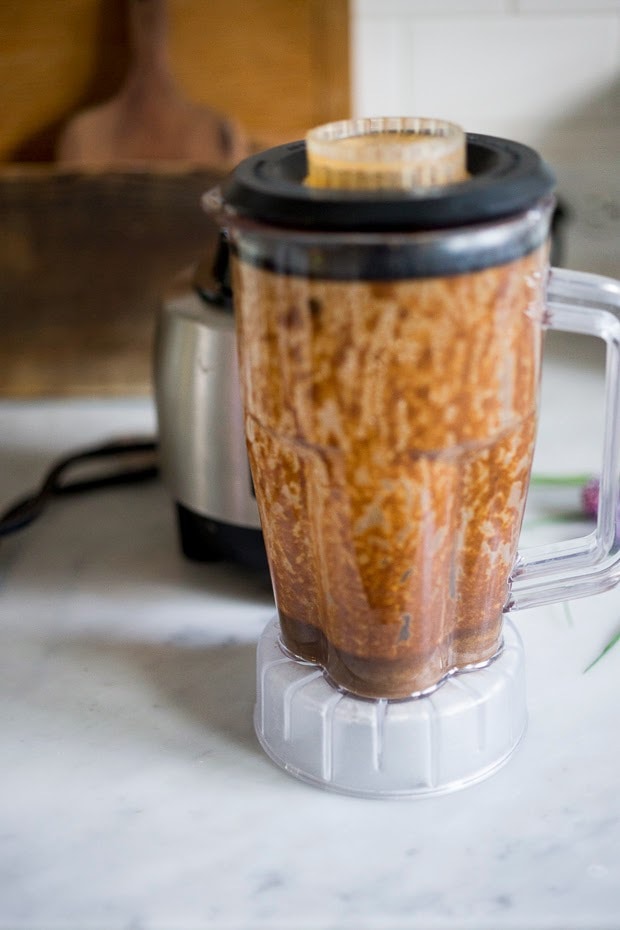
(135,796)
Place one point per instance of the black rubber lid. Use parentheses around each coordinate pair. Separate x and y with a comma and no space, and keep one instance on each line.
(506,178)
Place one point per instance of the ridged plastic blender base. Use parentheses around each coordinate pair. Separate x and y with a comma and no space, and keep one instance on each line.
(458,735)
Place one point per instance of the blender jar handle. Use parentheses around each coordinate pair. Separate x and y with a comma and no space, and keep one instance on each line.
(586,304)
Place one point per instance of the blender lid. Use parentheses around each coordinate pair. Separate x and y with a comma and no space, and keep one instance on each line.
(506,178)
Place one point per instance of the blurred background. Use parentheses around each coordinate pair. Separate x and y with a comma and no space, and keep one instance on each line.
(544,72)
(88,245)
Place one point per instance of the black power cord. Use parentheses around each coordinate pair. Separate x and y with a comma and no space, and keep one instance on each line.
(124,461)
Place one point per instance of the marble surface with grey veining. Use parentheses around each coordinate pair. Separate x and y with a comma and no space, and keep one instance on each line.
(135,796)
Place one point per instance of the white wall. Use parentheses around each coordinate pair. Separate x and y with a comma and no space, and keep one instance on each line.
(546,72)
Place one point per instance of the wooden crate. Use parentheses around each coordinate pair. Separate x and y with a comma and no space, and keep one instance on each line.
(84,261)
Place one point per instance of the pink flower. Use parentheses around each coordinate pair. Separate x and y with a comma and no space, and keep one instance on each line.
(589,497)
(589,502)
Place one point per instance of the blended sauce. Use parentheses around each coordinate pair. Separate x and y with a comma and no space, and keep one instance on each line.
(391,431)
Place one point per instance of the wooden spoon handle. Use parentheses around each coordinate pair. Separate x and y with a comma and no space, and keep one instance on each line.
(148,31)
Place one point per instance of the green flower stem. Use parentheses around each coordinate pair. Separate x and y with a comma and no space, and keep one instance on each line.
(610,645)
(560,481)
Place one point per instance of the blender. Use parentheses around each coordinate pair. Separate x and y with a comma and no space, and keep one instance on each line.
(392,288)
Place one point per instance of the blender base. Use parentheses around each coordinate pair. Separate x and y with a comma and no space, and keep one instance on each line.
(454,737)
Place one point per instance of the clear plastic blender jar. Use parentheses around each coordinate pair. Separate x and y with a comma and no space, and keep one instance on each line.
(392,288)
